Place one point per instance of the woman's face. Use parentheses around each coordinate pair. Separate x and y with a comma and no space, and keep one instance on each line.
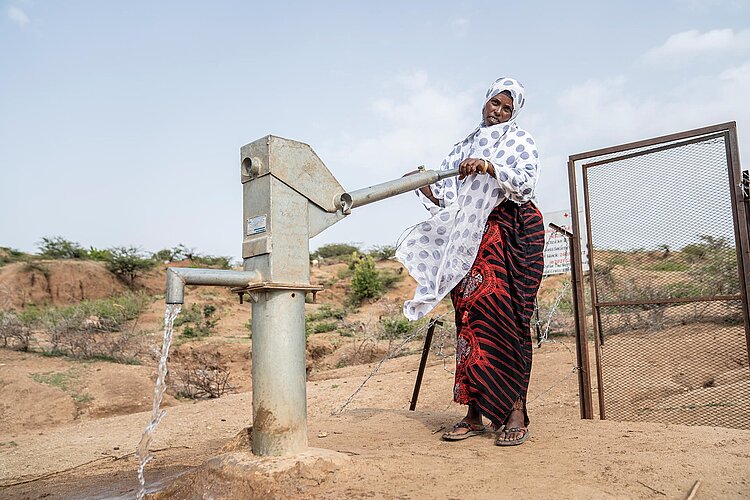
(498,109)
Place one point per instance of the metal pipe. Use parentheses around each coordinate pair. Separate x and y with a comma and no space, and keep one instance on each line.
(378,192)
(178,277)
(279,373)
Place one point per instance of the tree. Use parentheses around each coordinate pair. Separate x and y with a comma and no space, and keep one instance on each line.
(57,247)
(127,263)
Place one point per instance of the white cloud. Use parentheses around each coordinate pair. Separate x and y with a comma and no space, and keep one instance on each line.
(417,124)
(18,16)
(603,112)
(683,47)
(415,121)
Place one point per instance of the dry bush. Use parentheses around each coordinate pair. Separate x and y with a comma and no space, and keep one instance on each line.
(202,376)
(14,333)
(363,347)
(87,330)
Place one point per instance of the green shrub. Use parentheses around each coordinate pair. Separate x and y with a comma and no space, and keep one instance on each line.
(346,332)
(354,259)
(215,261)
(334,250)
(668,265)
(174,254)
(366,282)
(9,255)
(324,327)
(390,278)
(163,255)
(326,311)
(57,247)
(127,263)
(182,252)
(198,323)
(398,327)
(716,265)
(383,252)
(616,259)
(103,255)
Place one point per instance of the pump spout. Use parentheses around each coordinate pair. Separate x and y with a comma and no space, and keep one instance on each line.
(365,196)
(178,277)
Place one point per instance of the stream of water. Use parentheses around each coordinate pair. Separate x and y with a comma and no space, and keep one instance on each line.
(156,412)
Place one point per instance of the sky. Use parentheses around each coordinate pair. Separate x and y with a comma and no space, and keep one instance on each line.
(121,122)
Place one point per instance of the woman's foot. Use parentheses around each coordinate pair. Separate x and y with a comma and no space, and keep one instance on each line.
(515,431)
(512,436)
(463,430)
(470,425)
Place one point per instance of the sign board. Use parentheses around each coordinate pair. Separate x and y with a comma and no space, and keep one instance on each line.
(556,247)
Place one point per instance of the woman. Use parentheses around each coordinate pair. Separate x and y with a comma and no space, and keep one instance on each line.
(484,245)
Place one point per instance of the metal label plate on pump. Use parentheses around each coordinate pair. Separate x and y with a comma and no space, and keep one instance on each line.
(256,225)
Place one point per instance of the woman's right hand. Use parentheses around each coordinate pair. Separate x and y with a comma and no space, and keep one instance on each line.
(475,166)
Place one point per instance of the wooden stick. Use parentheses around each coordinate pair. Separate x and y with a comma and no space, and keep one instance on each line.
(423,362)
(649,487)
(694,490)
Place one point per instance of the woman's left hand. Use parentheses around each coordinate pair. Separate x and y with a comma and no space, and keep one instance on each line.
(474,166)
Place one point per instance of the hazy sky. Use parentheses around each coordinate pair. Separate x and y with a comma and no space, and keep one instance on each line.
(121,121)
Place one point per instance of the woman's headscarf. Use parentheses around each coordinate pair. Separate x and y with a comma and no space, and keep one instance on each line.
(440,251)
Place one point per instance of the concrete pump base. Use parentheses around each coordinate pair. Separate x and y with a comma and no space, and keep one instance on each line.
(240,474)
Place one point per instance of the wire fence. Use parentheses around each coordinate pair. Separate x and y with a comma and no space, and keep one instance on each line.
(666,304)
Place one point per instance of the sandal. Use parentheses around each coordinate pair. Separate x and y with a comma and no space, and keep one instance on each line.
(501,441)
(471,430)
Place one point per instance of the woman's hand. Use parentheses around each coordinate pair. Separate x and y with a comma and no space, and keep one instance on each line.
(474,166)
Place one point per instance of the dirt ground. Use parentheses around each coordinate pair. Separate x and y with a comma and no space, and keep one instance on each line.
(77,439)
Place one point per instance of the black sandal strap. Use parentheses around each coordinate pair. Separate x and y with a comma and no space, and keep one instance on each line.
(466,425)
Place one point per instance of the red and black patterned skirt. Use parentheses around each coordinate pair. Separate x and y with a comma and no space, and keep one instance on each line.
(494,304)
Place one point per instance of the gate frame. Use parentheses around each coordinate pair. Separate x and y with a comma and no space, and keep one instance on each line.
(740,219)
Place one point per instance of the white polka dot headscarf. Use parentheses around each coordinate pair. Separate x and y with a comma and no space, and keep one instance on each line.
(516,93)
(440,251)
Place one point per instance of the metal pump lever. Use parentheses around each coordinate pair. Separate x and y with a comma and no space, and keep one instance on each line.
(365,196)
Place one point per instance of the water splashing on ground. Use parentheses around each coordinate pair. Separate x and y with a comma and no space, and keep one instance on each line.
(156,412)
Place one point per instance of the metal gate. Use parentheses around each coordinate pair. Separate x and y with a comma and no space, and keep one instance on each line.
(666,224)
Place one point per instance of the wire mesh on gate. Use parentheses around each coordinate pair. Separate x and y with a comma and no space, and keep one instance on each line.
(666,302)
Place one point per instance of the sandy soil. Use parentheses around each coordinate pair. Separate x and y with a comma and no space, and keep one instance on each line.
(396,453)
(77,439)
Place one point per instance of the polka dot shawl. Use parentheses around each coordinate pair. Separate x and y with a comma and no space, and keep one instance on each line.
(440,251)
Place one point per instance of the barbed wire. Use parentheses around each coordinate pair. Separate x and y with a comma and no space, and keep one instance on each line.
(544,337)
(441,344)
(388,356)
